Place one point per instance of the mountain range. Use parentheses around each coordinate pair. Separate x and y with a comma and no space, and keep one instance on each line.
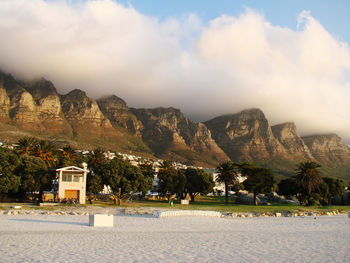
(35,108)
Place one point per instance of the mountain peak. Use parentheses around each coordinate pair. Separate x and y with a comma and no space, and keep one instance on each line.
(112,101)
(328,148)
(76,94)
(40,89)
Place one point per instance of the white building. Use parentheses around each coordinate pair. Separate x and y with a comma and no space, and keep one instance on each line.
(72,184)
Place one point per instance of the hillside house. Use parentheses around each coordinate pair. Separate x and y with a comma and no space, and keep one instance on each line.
(71,184)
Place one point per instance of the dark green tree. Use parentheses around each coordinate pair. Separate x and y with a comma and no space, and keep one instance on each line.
(309,180)
(171,181)
(198,182)
(288,187)
(27,146)
(97,160)
(336,187)
(228,174)
(124,179)
(47,152)
(259,180)
(35,175)
(94,186)
(9,182)
(68,157)
(180,184)
(147,169)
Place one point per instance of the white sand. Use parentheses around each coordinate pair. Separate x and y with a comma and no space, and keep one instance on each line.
(27,238)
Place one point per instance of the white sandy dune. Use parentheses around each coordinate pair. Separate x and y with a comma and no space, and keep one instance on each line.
(27,238)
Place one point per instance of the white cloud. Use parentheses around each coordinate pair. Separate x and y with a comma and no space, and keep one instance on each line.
(230,64)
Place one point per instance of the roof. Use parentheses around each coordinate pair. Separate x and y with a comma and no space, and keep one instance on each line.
(72,169)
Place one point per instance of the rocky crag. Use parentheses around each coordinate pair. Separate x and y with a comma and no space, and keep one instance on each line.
(170,134)
(248,136)
(35,108)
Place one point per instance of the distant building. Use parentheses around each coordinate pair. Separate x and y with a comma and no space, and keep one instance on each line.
(71,184)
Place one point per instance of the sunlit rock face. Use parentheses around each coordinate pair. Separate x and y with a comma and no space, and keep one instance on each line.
(168,131)
(328,149)
(246,135)
(36,108)
(32,105)
(4,105)
(287,135)
(117,111)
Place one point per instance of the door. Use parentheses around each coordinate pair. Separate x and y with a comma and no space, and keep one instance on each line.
(71,194)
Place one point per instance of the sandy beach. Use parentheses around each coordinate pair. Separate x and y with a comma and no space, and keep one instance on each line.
(67,238)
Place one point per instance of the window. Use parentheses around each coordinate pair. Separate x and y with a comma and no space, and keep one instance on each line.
(76,178)
(66,177)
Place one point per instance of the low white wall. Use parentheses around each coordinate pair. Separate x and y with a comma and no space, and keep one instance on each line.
(187,213)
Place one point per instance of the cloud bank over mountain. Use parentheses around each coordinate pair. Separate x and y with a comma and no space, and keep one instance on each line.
(205,69)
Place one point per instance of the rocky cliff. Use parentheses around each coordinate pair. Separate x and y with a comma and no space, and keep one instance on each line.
(288,137)
(4,105)
(171,135)
(35,108)
(32,106)
(117,111)
(246,135)
(328,149)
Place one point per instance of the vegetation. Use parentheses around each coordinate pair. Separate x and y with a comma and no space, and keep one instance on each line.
(124,179)
(31,166)
(309,187)
(333,187)
(198,182)
(171,181)
(259,180)
(9,181)
(228,174)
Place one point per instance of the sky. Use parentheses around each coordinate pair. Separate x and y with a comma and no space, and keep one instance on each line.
(291,59)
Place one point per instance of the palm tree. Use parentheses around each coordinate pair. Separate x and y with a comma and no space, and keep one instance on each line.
(69,152)
(45,150)
(307,177)
(228,173)
(67,156)
(97,158)
(26,145)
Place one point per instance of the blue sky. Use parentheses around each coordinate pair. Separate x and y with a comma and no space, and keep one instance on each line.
(334,15)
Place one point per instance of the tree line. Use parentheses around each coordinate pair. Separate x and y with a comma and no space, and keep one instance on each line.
(307,184)
(30,167)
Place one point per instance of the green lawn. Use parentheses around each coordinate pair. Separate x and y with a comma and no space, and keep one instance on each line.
(217,204)
(203,203)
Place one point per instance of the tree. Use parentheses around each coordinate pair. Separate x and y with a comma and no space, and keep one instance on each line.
(35,176)
(46,151)
(124,179)
(9,182)
(94,186)
(147,169)
(228,174)
(26,146)
(67,156)
(97,160)
(259,180)
(336,187)
(198,182)
(171,181)
(308,179)
(288,187)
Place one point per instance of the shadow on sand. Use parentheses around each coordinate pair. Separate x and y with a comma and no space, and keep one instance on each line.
(50,222)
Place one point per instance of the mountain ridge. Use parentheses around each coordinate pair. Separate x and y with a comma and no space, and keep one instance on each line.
(36,107)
